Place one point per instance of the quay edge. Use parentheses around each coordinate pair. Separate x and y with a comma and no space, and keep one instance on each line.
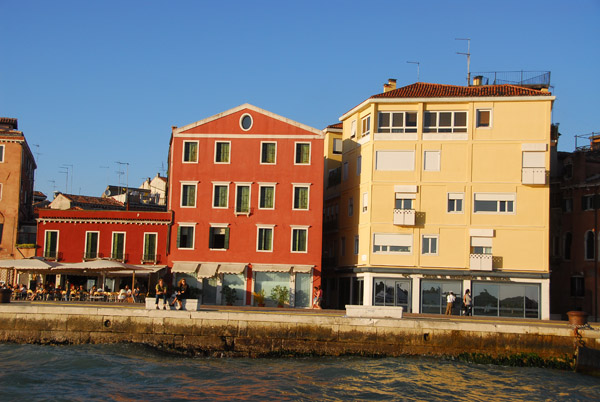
(243,333)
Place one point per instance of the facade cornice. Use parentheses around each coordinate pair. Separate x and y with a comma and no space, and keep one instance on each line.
(101,221)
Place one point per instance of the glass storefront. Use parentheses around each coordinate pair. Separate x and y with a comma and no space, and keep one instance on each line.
(209,290)
(238,283)
(267,281)
(392,292)
(357,291)
(303,290)
(506,300)
(433,296)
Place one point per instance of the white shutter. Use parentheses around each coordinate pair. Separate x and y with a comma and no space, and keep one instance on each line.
(534,159)
(431,161)
(395,160)
(393,239)
(481,241)
(495,197)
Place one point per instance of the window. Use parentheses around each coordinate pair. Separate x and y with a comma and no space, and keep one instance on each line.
(337,146)
(345,172)
(220,195)
(392,292)
(506,300)
(149,247)
(188,195)
(218,238)
(590,250)
(267,197)
(91,245)
(222,150)
(356,245)
(51,245)
(494,203)
(1,188)
(455,202)
(302,153)
(384,243)
(429,245)
(434,293)
(299,240)
(587,203)
(185,237)
(350,206)
(397,122)
(365,202)
(358,165)
(577,286)
(118,246)
(366,126)
(265,239)
(481,250)
(246,122)
(431,161)
(395,160)
(300,197)
(568,170)
(403,203)
(190,151)
(353,129)
(567,205)
(484,118)
(268,153)
(568,240)
(343,246)
(445,122)
(1,153)
(242,198)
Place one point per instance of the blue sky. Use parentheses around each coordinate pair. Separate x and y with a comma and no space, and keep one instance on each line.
(96,82)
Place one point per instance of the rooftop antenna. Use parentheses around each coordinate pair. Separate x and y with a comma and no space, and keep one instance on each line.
(37,152)
(66,171)
(53,184)
(418,68)
(70,166)
(126,183)
(162,169)
(468,54)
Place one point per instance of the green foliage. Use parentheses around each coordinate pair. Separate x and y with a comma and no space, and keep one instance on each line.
(259,297)
(229,294)
(280,294)
(26,245)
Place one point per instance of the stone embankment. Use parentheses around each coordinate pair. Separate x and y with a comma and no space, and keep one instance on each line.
(272,333)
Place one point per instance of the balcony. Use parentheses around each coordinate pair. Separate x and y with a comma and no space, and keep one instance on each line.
(52,255)
(404,217)
(118,256)
(481,262)
(150,258)
(534,176)
(91,255)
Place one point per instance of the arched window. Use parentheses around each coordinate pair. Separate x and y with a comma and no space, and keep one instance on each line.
(589,245)
(567,246)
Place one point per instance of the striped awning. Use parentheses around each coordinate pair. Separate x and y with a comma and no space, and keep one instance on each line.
(185,267)
(271,268)
(207,270)
(234,269)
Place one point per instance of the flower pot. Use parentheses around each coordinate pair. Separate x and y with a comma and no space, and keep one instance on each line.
(280,305)
(577,317)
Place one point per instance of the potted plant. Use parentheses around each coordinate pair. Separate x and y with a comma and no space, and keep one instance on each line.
(259,297)
(280,294)
(229,294)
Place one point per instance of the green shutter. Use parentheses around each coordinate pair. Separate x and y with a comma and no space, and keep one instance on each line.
(226,238)
(179,236)
(193,151)
(210,237)
(268,239)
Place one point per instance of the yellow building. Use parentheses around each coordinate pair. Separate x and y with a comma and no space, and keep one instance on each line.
(332,178)
(444,188)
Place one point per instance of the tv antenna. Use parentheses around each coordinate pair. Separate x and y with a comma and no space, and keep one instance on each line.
(69,166)
(37,152)
(65,171)
(468,54)
(418,68)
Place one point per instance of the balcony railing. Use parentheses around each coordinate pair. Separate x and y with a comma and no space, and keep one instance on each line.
(404,217)
(118,256)
(481,262)
(150,258)
(52,255)
(534,176)
(91,255)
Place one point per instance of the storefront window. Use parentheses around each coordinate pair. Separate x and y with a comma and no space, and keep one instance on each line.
(209,290)
(267,281)
(392,292)
(303,290)
(434,293)
(235,282)
(506,300)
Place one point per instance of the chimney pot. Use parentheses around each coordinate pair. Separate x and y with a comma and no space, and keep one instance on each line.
(390,86)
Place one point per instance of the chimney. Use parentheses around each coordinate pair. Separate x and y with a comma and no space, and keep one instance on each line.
(390,86)
(477,80)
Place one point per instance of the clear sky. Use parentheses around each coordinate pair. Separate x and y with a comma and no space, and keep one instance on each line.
(96,82)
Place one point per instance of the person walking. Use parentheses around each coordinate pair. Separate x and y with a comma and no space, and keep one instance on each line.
(450,299)
(467,302)
(318,297)
(161,293)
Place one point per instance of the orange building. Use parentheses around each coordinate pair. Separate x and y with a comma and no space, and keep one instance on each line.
(246,191)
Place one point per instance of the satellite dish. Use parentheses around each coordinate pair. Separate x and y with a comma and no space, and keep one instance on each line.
(107,192)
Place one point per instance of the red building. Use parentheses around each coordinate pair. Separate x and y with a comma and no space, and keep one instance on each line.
(246,191)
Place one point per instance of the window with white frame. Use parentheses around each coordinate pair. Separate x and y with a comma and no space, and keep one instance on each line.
(266,196)
(494,203)
(445,122)
(481,245)
(218,238)
(242,198)
(429,245)
(395,160)
(1,185)
(220,195)
(431,161)
(91,245)
(397,122)
(404,201)
(268,153)
(587,202)
(358,165)
(188,194)
(366,126)
(392,243)
(350,206)
(264,241)
(484,118)
(299,239)
(365,202)
(51,244)
(301,196)
(118,246)
(302,156)
(353,129)
(356,245)
(190,151)
(150,245)
(337,146)
(345,171)
(455,202)
(222,151)
(1,153)
(185,236)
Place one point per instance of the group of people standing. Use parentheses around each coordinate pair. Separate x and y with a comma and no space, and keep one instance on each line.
(467,304)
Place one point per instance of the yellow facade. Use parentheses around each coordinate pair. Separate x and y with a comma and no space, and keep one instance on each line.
(399,199)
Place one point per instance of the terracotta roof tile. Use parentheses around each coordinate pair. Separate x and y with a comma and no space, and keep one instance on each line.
(426,90)
(336,125)
(86,199)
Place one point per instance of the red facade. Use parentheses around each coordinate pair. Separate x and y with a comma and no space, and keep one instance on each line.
(251,179)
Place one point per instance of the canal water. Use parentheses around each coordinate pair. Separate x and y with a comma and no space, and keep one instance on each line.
(136,373)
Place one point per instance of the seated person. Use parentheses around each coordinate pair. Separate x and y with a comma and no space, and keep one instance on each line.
(182,294)
(123,293)
(161,293)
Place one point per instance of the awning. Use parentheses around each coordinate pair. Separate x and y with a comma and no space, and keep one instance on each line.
(185,267)
(234,269)
(207,270)
(142,271)
(271,268)
(303,269)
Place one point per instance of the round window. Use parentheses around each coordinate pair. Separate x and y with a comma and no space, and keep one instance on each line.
(246,122)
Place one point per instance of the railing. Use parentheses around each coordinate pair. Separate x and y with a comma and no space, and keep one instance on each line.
(481,262)
(535,79)
(91,255)
(534,176)
(118,256)
(52,255)
(404,217)
(150,257)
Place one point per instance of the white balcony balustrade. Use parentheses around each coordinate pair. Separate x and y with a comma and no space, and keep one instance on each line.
(534,176)
(481,262)
(404,217)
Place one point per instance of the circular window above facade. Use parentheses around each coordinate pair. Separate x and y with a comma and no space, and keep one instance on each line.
(246,122)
